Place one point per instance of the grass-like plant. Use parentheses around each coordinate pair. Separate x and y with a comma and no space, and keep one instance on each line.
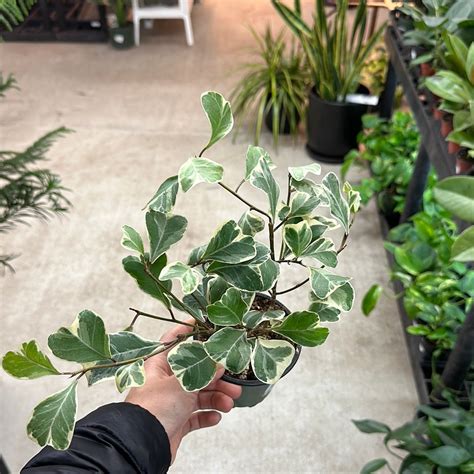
(336,54)
(222,282)
(276,81)
(13,12)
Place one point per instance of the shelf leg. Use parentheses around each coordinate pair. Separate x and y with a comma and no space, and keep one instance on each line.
(461,357)
(416,188)
(388,94)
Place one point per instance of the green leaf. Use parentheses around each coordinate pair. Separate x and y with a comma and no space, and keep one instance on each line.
(371,298)
(131,375)
(325,312)
(371,426)
(337,204)
(251,224)
(270,359)
(302,204)
(165,198)
(297,237)
(253,157)
(298,173)
(53,419)
(228,245)
(164,230)
(132,240)
(415,259)
(253,318)
(456,194)
(324,283)
(230,347)
(374,466)
(261,177)
(187,276)
(353,197)
(463,247)
(28,363)
(85,341)
(124,345)
(136,269)
(219,114)
(229,310)
(301,327)
(258,274)
(191,365)
(199,170)
(322,250)
(447,456)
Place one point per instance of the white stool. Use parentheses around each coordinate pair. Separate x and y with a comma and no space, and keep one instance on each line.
(181,11)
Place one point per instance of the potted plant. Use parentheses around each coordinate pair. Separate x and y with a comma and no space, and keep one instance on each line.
(223,281)
(273,89)
(439,440)
(336,55)
(456,89)
(121,31)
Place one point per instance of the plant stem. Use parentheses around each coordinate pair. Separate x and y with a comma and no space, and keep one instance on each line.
(293,287)
(252,207)
(160,318)
(239,185)
(271,238)
(299,262)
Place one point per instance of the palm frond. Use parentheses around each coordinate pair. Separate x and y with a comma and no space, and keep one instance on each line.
(7,83)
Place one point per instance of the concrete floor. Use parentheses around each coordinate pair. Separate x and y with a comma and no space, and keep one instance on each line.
(137,117)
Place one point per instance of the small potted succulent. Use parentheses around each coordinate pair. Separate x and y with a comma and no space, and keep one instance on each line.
(223,281)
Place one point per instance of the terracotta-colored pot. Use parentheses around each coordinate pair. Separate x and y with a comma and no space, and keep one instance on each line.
(437,114)
(464,165)
(426,70)
(453,148)
(446,125)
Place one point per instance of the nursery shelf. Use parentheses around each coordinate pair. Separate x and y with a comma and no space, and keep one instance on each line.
(434,144)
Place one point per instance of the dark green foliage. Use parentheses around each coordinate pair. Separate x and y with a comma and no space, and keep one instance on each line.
(7,83)
(441,440)
(390,149)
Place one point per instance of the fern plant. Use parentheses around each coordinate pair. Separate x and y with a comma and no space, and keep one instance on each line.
(13,12)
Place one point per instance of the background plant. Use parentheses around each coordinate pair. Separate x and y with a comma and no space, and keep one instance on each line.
(390,149)
(439,440)
(220,281)
(26,190)
(335,53)
(276,81)
(13,12)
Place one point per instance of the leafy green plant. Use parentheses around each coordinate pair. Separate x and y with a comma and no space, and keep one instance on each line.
(390,149)
(13,12)
(26,190)
(457,91)
(441,440)
(222,280)
(437,293)
(336,54)
(276,82)
(456,194)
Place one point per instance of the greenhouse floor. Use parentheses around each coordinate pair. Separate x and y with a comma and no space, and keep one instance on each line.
(137,117)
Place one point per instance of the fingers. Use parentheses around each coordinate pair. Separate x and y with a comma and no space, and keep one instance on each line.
(203,419)
(176,330)
(214,401)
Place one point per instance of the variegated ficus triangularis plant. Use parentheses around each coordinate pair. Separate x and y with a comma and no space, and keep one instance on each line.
(220,283)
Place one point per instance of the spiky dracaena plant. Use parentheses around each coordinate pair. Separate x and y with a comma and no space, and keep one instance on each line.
(13,12)
(220,281)
(27,191)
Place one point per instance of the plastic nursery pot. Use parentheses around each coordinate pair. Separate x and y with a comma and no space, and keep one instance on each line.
(332,127)
(282,119)
(254,391)
(426,70)
(426,349)
(122,37)
(446,125)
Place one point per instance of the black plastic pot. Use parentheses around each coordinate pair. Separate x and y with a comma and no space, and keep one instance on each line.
(332,127)
(285,128)
(122,37)
(255,391)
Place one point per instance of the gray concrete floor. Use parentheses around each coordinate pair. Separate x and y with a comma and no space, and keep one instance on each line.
(137,117)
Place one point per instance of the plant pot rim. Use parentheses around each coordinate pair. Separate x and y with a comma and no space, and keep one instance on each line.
(336,103)
(128,25)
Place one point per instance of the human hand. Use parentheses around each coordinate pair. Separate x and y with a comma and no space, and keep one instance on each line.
(176,409)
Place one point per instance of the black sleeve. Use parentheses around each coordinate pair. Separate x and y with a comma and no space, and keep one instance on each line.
(117,438)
